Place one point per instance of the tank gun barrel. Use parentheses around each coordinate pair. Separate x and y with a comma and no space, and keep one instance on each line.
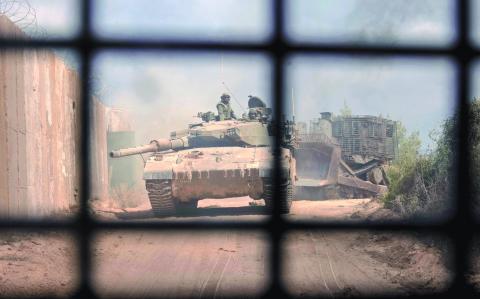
(154,146)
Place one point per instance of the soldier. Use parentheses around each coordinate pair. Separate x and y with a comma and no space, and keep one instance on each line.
(225,112)
(257,108)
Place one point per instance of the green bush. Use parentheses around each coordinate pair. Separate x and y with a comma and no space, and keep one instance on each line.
(420,182)
(474,143)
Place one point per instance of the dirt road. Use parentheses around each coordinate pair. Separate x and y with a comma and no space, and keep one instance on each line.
(185,264)
(37,264)
(362,263)
(214,264)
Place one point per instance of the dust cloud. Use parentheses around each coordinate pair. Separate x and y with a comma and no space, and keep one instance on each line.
(164,92)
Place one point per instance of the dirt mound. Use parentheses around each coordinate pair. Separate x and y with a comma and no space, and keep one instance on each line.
(421,261)
(373,210)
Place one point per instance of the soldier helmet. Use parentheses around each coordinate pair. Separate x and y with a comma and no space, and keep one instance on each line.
(255,102)
(225,96)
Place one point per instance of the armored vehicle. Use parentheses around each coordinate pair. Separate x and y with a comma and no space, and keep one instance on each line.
(217,159)
(345,157)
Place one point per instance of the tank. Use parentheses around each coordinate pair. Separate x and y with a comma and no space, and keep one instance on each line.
(217,159)
(345,157)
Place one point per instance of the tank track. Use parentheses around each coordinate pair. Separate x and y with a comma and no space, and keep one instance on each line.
(286,190)
(162,200)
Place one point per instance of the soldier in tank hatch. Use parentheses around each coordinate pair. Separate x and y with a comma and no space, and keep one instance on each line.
(257,108)
(225,111)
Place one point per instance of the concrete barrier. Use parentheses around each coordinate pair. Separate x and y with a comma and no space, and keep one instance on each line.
(98,151)
(40,133)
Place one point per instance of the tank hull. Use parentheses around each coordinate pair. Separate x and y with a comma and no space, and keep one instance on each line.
(215,172)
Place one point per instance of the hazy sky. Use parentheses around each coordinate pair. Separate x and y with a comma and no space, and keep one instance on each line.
(372,21)
(476,80)
(379,21)
(418,92)
(164,91)
(475,16)
(55,18)
(194,19)
(165,86)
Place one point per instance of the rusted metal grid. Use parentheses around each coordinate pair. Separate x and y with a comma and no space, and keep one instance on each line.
(460,228)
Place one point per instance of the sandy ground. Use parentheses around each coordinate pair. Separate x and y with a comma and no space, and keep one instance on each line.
(37,264)
(474,275)
(362,264)
(214,264)
(244,208)
(181,265)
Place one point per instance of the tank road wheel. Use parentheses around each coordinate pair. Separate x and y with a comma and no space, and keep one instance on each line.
(161,198)
(286,190)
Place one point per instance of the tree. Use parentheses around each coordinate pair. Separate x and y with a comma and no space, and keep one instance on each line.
(404,164)
(346,110)
(420,183)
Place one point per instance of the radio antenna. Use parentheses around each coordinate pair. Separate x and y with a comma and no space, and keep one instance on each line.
(225,85)
(233,96)
(221,65)
(293,107)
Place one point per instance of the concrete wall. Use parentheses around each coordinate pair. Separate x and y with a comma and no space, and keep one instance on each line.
(98,151)
(39,132)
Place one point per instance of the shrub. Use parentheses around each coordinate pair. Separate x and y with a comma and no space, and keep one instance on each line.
(474,143)
(420,183)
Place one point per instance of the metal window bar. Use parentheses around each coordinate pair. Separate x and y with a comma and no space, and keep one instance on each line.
(460,228)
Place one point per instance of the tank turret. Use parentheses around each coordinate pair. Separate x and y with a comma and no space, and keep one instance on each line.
(254,129)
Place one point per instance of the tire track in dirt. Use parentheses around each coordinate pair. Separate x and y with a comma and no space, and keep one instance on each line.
(180,265)
(355,273)
(324,263)
(332,271)
(212,283)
